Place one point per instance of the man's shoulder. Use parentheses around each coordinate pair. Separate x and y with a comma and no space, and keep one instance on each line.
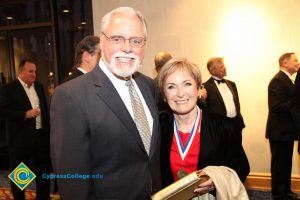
(229,81)
(143,77)
(38,84)
(72,84)
(279,76)
(208,81)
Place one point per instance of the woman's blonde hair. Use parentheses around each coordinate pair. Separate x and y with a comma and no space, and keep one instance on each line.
(176,64)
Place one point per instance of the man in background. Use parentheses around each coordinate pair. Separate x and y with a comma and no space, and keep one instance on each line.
(223,99)
(23,107)
(160,59)
(280,129)
(87,55)
(222,95)
(296,107)
(106,122)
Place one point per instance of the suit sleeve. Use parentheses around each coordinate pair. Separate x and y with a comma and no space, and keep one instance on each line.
(7,110)
(295,110)
(279,99)
(70,143)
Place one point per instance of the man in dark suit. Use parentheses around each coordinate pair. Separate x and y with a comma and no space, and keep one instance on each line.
(222,95)
(223,99)
(24,108)
(87,55)
(296,106)
(95,128)
(280,129)
(160,59)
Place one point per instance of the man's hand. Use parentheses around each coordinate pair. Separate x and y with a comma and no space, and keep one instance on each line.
(33,113)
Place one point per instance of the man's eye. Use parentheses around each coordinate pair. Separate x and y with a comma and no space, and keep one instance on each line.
(136,41)
(116,39)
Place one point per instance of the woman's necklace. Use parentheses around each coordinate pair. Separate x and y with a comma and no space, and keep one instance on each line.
(184,149)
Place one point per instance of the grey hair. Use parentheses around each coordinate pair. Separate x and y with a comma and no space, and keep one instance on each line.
(127,10)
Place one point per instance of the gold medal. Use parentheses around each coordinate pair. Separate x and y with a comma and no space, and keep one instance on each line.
(181,173)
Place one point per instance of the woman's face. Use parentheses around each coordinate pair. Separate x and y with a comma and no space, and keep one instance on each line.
(181,92)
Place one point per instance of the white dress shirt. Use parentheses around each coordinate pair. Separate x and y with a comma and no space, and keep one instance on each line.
(227,98)
(34,101)
(82,70)
(123,91)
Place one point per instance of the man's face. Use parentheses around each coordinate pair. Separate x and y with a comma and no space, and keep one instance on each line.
(122,59)
(218,69)
(292,64)
(92,60)
(28,74)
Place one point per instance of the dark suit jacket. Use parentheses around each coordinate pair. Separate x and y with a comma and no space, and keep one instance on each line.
(218,145)
(74,74)
(92,132)
(280,126)
(296,106)
(13,106)
(215,103)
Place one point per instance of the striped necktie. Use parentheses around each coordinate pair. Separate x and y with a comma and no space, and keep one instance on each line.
(140,117)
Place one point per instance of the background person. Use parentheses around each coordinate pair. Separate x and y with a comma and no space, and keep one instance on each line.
(296,107)
(87,55)
(280,129)
(160,59)
(222,94)
(23,107)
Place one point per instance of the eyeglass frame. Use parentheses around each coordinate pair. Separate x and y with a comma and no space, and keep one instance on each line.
(123,40)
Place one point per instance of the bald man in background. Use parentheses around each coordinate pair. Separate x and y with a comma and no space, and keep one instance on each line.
(160,60)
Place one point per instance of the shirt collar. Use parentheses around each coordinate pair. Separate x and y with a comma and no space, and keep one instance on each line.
(82,70)
(216,78)
(24,84)
(288,74)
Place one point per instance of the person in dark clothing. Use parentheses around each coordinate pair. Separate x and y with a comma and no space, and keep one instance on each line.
(24,108)
(280,130)
(87,55)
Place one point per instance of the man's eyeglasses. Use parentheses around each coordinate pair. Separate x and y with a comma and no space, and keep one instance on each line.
(118,39)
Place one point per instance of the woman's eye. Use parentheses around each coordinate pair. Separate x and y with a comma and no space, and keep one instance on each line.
(170,87)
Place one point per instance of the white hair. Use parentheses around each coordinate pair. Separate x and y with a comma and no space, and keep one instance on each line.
(126,10)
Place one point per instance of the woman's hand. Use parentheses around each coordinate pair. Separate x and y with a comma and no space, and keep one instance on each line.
(205,187)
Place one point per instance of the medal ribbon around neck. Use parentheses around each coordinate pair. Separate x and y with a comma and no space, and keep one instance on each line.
(184,149)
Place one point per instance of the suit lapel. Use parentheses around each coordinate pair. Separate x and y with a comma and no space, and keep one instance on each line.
(23,95)
(108,94)
(286,78)
(234,94)
(215,88)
